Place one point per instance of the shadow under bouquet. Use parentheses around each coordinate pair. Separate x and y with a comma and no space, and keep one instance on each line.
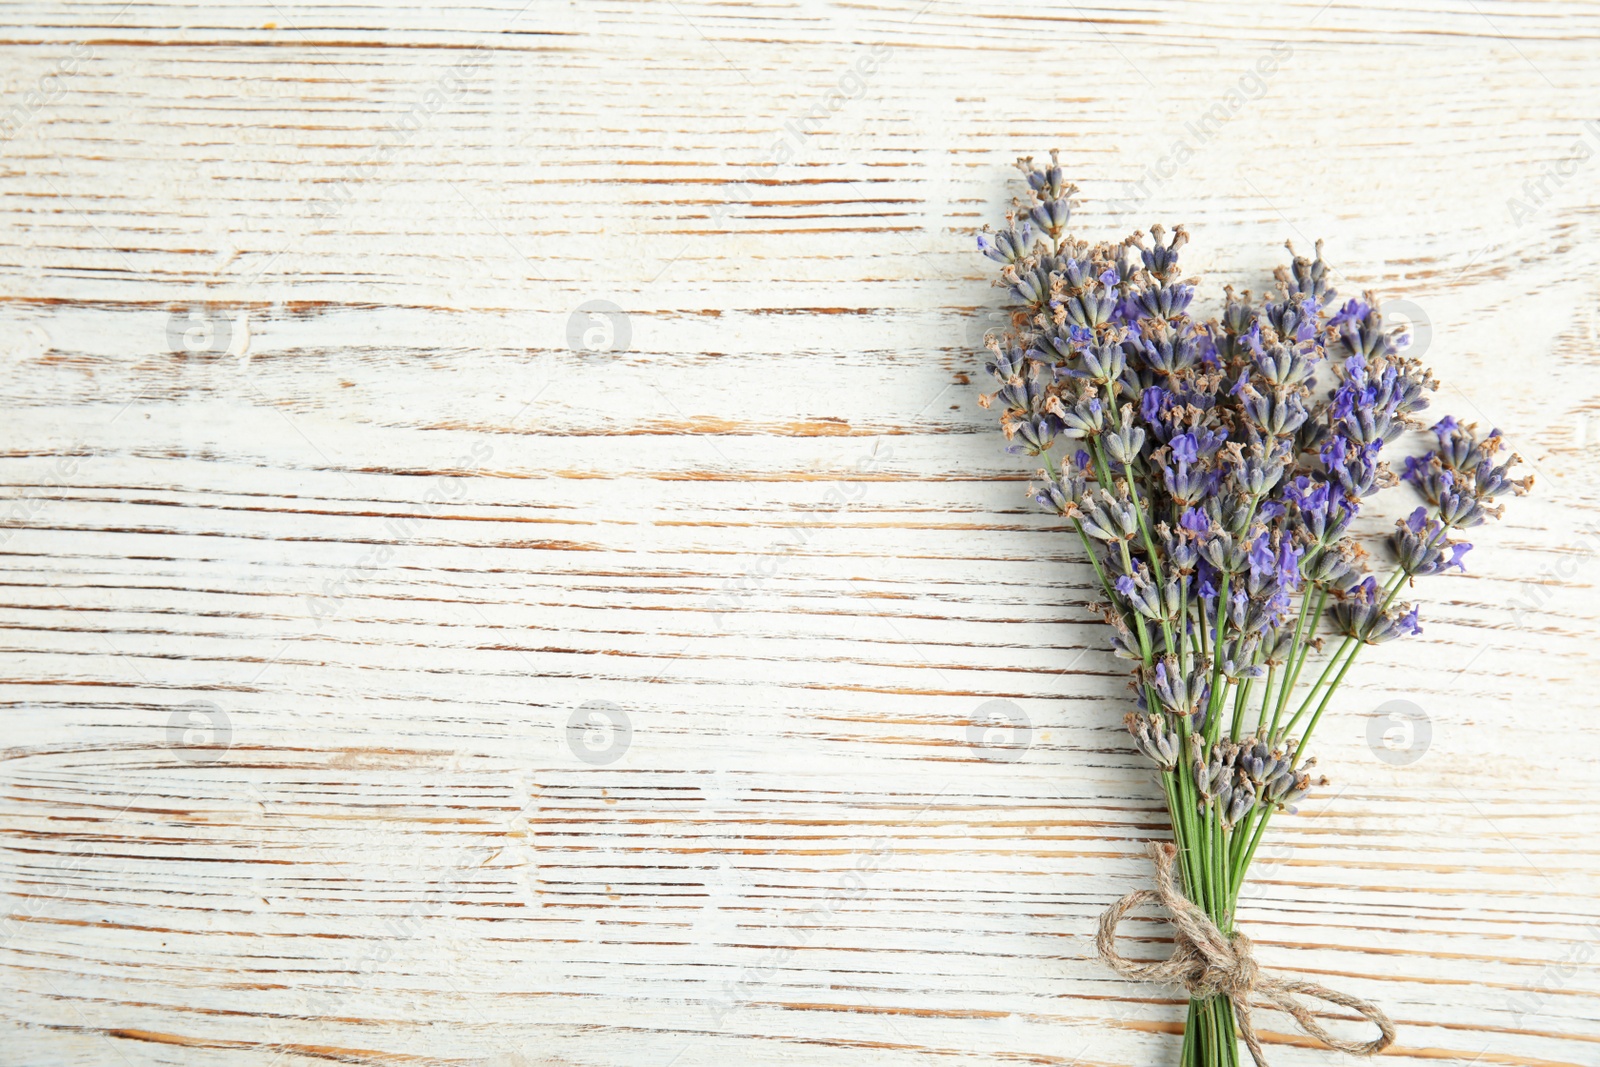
(1211,471)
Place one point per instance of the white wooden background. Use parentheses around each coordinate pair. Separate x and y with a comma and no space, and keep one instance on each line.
(332,505)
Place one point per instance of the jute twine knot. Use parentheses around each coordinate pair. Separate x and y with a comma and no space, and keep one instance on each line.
(1209,964)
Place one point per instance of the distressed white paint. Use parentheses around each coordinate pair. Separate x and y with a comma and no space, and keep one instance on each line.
(398,532)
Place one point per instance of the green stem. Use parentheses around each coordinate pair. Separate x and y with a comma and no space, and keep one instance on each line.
(1241,865)
(1266,700)
(1312,725)
(1212,702)
(1094,559)
(1311,695)
(1238,709)
(1218,885)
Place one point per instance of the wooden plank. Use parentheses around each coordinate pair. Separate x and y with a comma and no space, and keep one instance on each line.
(396,396)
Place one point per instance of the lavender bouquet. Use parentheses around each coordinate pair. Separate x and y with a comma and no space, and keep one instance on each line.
(1211,471)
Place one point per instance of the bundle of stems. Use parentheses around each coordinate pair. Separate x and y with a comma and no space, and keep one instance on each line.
(1211,471)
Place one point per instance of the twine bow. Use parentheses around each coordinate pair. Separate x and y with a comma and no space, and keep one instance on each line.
(1208,964)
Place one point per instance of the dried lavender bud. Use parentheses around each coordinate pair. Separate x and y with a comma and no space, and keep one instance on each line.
(1050,183)
(1179,549)
(1298,787)
(1232,512)
(1420,545)
(1257,473)
(1062,492)
(1008,245)
(1206,771)
(1278,413)
(1084,420)
(1110,518)
(1316,511)
(1009,361)
(1223,552)
(1224,788)
(1165,302)
(1143,597)
(1239,659)
(1152,738)
(1091,308)
(1307,278)
(1277,784)
(1138,592)
(1325,566)
(1028,281)
(1239,804)
(1178,693)
(1186,484)
(1124,645)
(1361,615)
(1490,480)
(1052,216)
(1098,364)
(1034,434)
(1275,653)
(1255,757)
(1162,261)
(1163,350)
(1123,446)
(1284,366)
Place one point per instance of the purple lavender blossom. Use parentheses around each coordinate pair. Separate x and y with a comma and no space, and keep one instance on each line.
(1213,469)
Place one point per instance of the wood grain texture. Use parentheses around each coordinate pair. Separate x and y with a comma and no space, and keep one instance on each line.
(340,524)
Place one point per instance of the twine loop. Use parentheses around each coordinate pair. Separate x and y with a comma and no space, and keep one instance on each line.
(1208,964)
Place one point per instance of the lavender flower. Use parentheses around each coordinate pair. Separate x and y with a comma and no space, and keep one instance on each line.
(1213,469)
